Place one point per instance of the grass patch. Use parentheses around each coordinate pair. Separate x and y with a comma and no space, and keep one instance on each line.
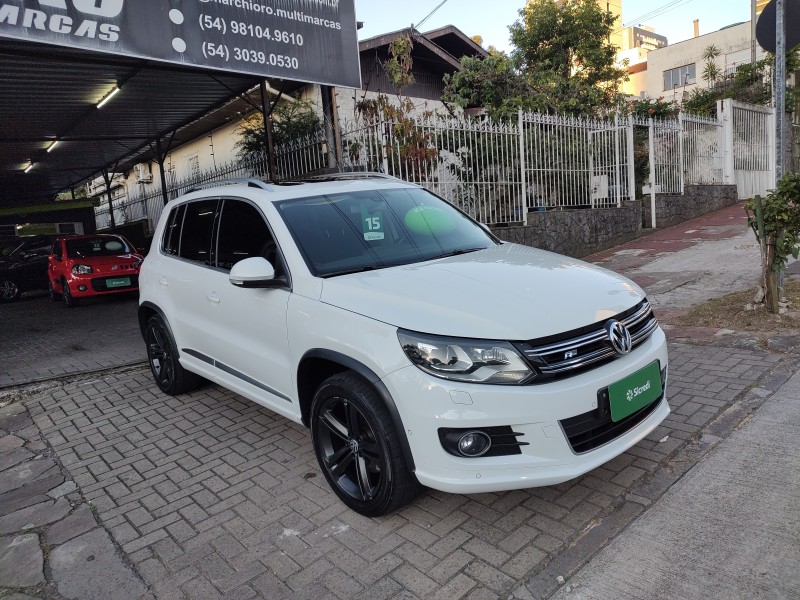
(728,312)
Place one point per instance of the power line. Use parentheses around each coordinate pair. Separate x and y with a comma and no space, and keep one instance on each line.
(656,12)
(418,25)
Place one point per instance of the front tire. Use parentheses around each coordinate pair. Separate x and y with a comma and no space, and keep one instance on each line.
(162,355)
(8,290)
(358,448)
(69,300)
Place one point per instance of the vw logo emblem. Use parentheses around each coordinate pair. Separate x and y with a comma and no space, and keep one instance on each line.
(619,336)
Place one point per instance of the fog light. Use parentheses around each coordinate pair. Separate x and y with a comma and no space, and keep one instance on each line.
(81,288)
(474,443)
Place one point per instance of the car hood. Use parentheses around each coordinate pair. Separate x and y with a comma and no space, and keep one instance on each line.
(506,292)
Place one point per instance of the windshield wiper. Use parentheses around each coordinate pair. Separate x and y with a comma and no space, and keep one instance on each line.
(457,252)
(354,270)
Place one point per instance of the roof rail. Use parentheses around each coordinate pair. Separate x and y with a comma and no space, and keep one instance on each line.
(349,175)
(248,181)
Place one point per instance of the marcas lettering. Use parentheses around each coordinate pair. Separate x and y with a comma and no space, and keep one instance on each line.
(30,18)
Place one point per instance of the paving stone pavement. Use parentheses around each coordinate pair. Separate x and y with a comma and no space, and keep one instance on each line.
(109,489)
(209,495)
(51,545)
(42,340)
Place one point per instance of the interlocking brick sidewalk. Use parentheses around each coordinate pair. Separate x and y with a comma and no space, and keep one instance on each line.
(211,496)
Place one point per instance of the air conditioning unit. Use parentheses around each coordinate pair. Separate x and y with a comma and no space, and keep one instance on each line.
(142,173)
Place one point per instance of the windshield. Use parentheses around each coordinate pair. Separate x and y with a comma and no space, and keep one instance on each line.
(97,246)
(358,231)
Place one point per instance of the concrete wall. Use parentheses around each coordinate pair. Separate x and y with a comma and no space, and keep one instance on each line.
(697,200)
(577,232)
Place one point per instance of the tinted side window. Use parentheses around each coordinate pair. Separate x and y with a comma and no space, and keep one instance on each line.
(57,249)
(41,248)
(172,232)
(198,223)
(243,234)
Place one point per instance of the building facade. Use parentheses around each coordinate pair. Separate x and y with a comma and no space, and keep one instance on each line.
(675,71)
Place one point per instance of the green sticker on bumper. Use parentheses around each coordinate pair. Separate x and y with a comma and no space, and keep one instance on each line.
(635,391)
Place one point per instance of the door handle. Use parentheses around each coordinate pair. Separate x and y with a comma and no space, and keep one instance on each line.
(163,281)
(212,297)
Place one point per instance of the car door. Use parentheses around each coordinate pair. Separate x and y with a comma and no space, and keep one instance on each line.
(181,270)
(33,271)
(248,326)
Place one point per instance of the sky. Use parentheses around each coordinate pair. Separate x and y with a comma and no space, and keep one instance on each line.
(491,18)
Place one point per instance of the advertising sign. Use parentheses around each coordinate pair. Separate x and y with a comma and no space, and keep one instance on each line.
(302,40)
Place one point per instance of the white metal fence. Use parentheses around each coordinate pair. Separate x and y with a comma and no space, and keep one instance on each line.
(750,143)
(701,144)
(499,172)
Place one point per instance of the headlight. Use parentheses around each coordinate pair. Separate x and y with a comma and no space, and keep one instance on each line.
(473,361)
(81,269)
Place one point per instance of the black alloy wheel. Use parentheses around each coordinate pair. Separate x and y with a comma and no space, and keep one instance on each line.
(8,290)
(162,355)
(358,448)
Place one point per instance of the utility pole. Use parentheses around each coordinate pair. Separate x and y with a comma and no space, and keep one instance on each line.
(780,85)
(753,17)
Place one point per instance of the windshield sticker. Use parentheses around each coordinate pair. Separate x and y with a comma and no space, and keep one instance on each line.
(372,224)
(429,220)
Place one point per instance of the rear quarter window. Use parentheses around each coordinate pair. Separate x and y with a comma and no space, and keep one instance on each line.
(172,232)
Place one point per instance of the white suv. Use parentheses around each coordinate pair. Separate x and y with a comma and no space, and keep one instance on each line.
(417,347)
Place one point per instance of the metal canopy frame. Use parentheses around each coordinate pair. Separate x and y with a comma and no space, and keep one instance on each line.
(50,94)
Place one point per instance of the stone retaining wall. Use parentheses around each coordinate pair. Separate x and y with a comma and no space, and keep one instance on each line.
(580,232)
(697,200)
(577,232)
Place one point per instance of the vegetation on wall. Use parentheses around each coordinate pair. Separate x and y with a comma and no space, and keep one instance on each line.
(749,83)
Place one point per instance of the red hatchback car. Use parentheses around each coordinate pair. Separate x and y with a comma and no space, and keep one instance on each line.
(92,265)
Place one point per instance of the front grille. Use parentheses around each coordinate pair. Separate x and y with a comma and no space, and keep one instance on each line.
(99,284)
(589,347)
(593,429)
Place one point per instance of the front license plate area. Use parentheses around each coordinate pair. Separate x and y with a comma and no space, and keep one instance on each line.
(635,391)
(118,282)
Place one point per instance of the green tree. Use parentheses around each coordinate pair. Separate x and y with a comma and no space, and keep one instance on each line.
(492,82)
(711,70)
(775,220)
(290,121)
(562,62)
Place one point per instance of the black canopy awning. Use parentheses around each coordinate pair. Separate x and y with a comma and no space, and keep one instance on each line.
(51,94)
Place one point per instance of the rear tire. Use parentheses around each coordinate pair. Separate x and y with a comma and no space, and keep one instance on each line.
(162,355)
(358,448)
(54,295)
(8,290)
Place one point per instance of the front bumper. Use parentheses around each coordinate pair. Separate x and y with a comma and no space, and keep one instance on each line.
(427,403)
(94,284)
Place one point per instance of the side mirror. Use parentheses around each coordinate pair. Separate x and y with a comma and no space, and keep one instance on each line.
(255,272)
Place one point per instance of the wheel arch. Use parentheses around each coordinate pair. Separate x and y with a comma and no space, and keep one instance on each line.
(319,364)
(146,311)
